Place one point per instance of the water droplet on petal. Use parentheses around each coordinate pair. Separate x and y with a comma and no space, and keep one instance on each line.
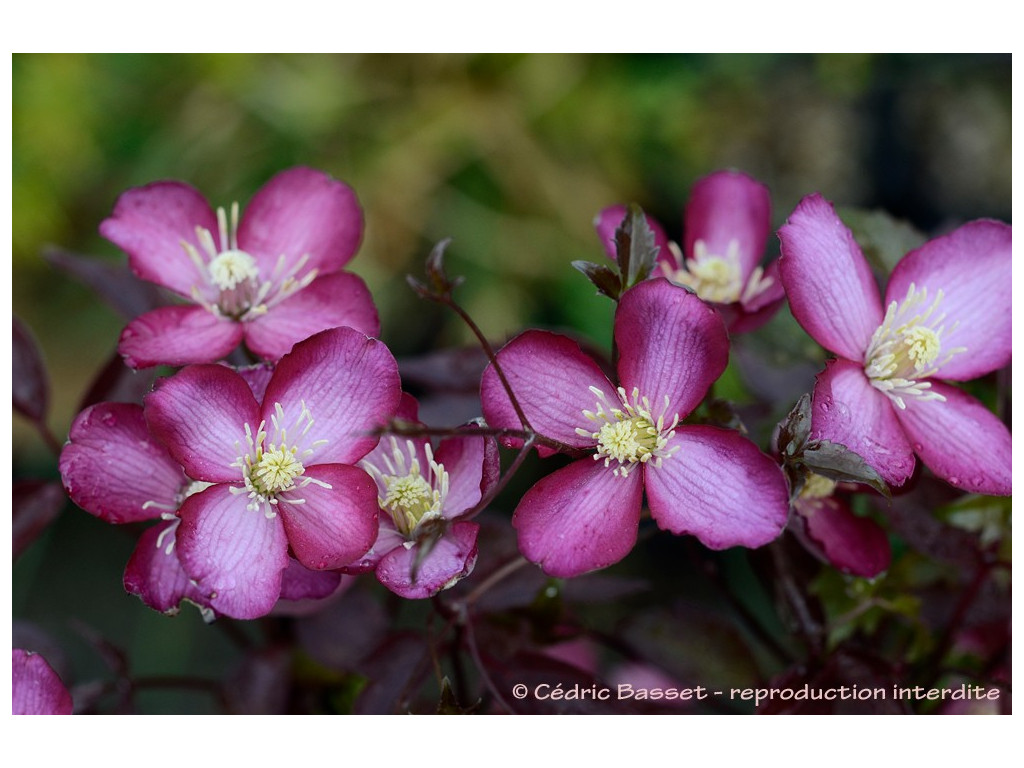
(918,447)
(954,480)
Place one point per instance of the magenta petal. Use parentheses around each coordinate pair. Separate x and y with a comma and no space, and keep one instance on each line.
(149,223)
(579,518)
(328,302)
(35,688)
(847,410)
(611,218)
(853,544)
(388,537)
(350,385)
(718,487)
(200,414)
(724,207)
(471,466)
(155,574)
(551,378)
(452,558)
(670,344)
(829,284)
(302,212)
(112,467)
(971,266)
(178,336)
(234,555)
(960,440)
(257,377)
(300,583)
(332,526)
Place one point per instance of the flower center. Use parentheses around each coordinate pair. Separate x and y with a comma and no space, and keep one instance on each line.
(817,487)
(715,278)
(628,432)
(410,496)
(231,268)
(907,347)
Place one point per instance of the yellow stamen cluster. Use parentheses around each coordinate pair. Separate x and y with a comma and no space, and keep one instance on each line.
(715,278)
(628,432)
(411,494)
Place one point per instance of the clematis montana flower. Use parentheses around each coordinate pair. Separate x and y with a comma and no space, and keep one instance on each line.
(700,480)
(270,279)
(35,688)
(725,229)
(946,315)
(422,546)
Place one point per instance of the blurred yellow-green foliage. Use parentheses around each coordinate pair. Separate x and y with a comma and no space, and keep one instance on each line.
(510,155)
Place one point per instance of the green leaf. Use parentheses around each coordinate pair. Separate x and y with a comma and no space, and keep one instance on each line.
(634,247)
(883,239)
(604,278)
(839,463)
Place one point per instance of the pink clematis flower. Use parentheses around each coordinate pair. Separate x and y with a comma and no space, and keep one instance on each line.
(271,279)
(725,230)
(35,688)
(946,316)
(701,480)
(422,546)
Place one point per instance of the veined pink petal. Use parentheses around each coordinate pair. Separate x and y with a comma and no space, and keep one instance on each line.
(670,344)
(718,487)
(960,440)
(472,467)
(300,583)
(853,544)
(234,555)
(846,409)
(551,378)
(155,574)
(724,207)
(329,527)
(579,518)
(178,336)
(829,284)
(302,212)
(257,377)
(348,383)
(200,414)
(388,537)
(112,467)
(452,558)
(149,223)
(328,302)
(611,218)
(971,266)
(35,688)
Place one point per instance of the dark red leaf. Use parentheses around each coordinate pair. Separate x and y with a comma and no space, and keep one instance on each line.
(114,283)
(35,504)
(30,386)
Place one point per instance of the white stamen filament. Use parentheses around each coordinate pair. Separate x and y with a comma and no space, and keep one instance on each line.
(628,431)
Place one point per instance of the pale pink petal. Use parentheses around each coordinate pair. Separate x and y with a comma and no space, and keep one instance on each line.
(472,467)
(234,555)
(718,487)
(178,336)
(853,544)
(149,224)
(671,344)
(257,377)
(35,688)
(331,526)
(611,218)
(551,378)
(302,212)
(328,302)
(847,410)
(451,558)
(388,537)
(300,583)
(348,383)
(960,440)
(579,518)
(728,207)
(971,266)
(154,572)
(200,415)
(114,469)
(829,284)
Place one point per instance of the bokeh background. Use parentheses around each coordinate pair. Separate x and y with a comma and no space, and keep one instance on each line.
(509,155)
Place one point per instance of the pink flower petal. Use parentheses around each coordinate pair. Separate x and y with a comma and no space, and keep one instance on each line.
(35,688)
(579,518)
(847,410)
(333,526)
(200,415)
(328,302)
(388,537)
(718,487)
(300,583)
(156,575)
(670,344)
(178,336)
(257,377)
(551,378)
(853,544)
(149,223)
(829,284)
(234,555)
(302,212)
(472,466)
(724,207)
(960,440)
(611,218)
(452,558)
(971,266)
(112,467)
(350,385)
